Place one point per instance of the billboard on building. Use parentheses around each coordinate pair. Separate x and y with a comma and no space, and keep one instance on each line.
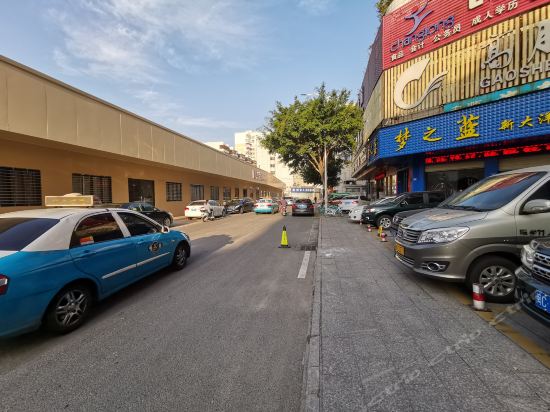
(510,119)
(421,26)
(509,54)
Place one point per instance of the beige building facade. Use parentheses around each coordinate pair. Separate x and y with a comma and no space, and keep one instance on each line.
(55,139)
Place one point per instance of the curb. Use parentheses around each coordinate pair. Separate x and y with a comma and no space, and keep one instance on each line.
(312,357)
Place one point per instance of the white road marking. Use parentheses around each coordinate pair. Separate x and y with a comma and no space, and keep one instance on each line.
(303,268)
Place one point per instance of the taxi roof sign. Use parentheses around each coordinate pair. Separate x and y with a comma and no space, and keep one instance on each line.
(69,201)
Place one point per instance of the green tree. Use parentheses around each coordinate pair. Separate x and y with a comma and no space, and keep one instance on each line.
(382,6)
(299,132)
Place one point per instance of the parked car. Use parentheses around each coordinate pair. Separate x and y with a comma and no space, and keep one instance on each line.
(349,202)
(381,214)
(55,263)
(476,236)
(195,209)
(266,206)
(533,279)
(239,206)
(165,218)
(399,217)
(289,200)
(355,213)
(303,207)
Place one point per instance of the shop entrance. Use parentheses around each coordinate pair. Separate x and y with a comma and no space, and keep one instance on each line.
(452,181)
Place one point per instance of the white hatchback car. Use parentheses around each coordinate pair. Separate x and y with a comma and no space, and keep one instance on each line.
(352,201)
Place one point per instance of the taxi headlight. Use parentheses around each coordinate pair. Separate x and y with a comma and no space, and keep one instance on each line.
(444,235)
(528,254)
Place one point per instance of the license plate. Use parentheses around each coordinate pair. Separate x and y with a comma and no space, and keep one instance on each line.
(542,301)
(302,206)
(400,249)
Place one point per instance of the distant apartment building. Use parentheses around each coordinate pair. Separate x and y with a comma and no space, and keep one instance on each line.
(248,143)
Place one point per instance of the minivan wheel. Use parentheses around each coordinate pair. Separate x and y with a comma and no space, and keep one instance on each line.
(384,221)
(68,309)
(167,222)
(496,275)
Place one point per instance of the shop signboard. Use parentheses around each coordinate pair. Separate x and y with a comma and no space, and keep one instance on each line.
(507,55)
(302,189)
(421,26)
(510,119)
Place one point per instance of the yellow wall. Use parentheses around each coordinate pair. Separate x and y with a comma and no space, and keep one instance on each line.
(57,164)
(32,104)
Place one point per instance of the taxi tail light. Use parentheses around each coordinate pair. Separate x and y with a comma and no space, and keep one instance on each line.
(186,208)
(269,205)
(4,280)
(310,205)
(294,205)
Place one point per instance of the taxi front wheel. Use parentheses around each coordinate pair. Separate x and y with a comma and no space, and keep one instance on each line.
(180,257)
(69,309)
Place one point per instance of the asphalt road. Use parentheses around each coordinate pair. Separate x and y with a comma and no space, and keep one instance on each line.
(228,332)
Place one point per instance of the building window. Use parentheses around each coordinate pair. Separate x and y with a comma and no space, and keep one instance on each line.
(140,190)
(226,193)
(236,192)
(20,187)
(98,186)
(173,192)
(197,192)
(214,193)
(245,193)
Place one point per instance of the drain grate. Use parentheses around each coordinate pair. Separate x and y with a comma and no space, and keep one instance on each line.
(308,247)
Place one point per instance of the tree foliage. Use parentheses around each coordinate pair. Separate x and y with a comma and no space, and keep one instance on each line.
(299,132)
(382,6)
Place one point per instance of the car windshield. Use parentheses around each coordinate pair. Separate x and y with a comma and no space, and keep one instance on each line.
(18,232)
(233,202)
(303,201)
(265,201)
(351,197)
(493,192)
(396,200)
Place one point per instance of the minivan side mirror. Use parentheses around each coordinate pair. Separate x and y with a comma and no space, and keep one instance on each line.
(165,229)
(536,206)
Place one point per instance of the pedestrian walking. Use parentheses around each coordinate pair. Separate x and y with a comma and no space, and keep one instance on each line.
(283,206)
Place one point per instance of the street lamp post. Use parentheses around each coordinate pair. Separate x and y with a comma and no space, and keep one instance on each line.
(325,183)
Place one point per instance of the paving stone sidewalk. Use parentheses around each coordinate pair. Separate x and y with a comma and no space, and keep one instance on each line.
(393,341)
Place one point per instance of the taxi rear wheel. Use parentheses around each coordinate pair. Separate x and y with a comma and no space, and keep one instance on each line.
(69,309)
(180,257)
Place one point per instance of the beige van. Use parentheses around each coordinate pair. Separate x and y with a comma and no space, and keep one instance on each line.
(476,236)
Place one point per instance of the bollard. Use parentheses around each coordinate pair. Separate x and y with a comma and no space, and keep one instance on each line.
(369,228)
(478,295)
(383,237)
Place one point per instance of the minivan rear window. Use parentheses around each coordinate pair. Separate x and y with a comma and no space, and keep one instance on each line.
(198,203)
(18,232)
(493,192)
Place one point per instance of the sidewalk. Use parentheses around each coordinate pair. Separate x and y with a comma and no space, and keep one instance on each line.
(391,340)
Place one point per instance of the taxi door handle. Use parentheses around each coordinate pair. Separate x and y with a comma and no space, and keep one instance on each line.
(141,242)
(89,252)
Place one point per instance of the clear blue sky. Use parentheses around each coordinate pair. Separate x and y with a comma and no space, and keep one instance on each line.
(205,68)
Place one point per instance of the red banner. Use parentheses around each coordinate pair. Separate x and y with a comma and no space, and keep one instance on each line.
(424,25)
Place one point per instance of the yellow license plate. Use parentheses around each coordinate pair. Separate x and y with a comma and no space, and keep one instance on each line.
(400,249)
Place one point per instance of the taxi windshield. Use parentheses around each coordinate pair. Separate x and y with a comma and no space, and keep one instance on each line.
(18,232)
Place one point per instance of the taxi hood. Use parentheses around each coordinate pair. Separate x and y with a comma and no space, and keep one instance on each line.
(440,217)
(6,253)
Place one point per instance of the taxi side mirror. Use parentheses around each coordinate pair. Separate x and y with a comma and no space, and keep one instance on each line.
(536,206)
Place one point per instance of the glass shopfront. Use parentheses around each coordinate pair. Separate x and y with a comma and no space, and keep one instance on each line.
(452,181)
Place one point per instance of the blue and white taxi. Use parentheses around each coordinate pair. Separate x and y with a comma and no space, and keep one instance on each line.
(55,263)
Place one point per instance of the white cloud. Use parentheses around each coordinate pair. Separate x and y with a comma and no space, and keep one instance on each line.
(316,7)
(137,40)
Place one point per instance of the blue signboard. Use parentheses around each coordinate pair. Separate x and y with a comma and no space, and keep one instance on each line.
(515,118)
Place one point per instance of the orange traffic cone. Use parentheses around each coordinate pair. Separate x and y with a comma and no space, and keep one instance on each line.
(284,239)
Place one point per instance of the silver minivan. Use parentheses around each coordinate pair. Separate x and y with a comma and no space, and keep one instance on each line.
(476,235)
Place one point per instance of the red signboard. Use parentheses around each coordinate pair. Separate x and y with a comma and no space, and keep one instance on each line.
(424,25)
(459,157)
